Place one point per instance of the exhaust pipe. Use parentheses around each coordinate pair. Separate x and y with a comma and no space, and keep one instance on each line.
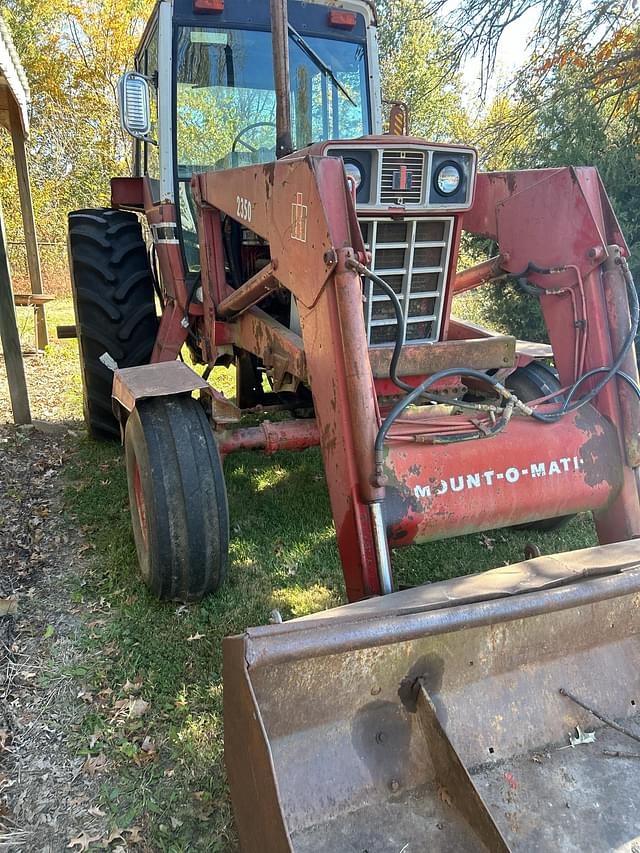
(280,41)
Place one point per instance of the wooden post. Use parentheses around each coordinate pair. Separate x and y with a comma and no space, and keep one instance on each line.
(11,339)
(28,222)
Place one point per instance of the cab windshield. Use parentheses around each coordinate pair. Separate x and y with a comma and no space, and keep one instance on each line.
(226,102)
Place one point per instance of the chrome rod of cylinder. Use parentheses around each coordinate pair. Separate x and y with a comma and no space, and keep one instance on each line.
(382,548)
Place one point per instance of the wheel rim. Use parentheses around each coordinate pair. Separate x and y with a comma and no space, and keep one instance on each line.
(140,505)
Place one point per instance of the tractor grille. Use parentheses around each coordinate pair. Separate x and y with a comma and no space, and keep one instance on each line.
(412,255)
(402,177)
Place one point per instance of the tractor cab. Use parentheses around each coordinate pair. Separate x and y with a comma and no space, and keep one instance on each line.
(208,72)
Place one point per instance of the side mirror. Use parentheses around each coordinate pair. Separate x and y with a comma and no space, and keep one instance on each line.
(134,103)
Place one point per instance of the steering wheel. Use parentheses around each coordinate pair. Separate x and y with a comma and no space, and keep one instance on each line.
(239,141)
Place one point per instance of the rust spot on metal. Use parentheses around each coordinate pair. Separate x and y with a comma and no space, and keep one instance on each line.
(598,453)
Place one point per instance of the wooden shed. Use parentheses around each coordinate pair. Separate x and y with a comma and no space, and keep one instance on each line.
(14,117)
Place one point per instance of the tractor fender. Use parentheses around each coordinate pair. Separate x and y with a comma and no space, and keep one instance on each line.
(165,379)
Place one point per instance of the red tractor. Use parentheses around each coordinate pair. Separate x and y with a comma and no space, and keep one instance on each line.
(275,227)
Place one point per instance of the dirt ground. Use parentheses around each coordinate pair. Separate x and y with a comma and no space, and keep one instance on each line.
(49,790)
(48,793)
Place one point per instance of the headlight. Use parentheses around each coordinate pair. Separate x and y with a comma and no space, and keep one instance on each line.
(352,170)
(447,178)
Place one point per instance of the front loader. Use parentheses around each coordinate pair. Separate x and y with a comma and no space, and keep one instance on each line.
(275,228)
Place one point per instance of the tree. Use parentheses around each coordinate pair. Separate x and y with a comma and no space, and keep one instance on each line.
(412,57)
(566,120)
(73,54)
(602,31)
(580,126)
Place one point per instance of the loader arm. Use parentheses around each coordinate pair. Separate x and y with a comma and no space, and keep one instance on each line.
(304,208)
(432,484)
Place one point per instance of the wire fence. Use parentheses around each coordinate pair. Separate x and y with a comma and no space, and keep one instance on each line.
(53,262)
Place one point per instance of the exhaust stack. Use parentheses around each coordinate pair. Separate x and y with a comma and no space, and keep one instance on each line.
(280,40)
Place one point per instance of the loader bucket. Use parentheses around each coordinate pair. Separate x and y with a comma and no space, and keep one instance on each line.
(438,718)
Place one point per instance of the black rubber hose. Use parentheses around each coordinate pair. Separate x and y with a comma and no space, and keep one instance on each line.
(192,292)
(620,374)
(399,343)
(419,390)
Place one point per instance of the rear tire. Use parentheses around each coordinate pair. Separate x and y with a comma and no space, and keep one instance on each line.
(529,383)
(114,304)
(177,497)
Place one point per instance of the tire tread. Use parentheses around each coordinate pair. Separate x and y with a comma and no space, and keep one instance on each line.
(114,304)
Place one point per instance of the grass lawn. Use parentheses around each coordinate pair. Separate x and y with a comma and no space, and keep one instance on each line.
(283,554)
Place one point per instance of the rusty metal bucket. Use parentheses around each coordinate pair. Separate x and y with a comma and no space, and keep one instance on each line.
(433,719)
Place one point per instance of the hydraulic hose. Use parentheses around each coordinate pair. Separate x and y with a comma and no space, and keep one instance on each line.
(191,293)
(414,393)
(362,270)
(620,374)
(418,391)
(567,406)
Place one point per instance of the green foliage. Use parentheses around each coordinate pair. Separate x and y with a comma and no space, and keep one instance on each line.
(412,61)
(578,128)
(556,118)
(500,306)
(73,54)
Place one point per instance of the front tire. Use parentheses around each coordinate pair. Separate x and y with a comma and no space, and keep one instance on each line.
(177,497)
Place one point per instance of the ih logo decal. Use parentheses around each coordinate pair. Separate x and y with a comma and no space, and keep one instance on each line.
(299,215)
(402,179)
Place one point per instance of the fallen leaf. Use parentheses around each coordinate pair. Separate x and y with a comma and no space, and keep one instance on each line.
(95,764)
(83,841)
(488,543)
(132,686)
(86,696)
(138,708)
(444,795)
(195,636)
(8,606)
(148,745)
(96,812)
(135,835)
(114,835)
